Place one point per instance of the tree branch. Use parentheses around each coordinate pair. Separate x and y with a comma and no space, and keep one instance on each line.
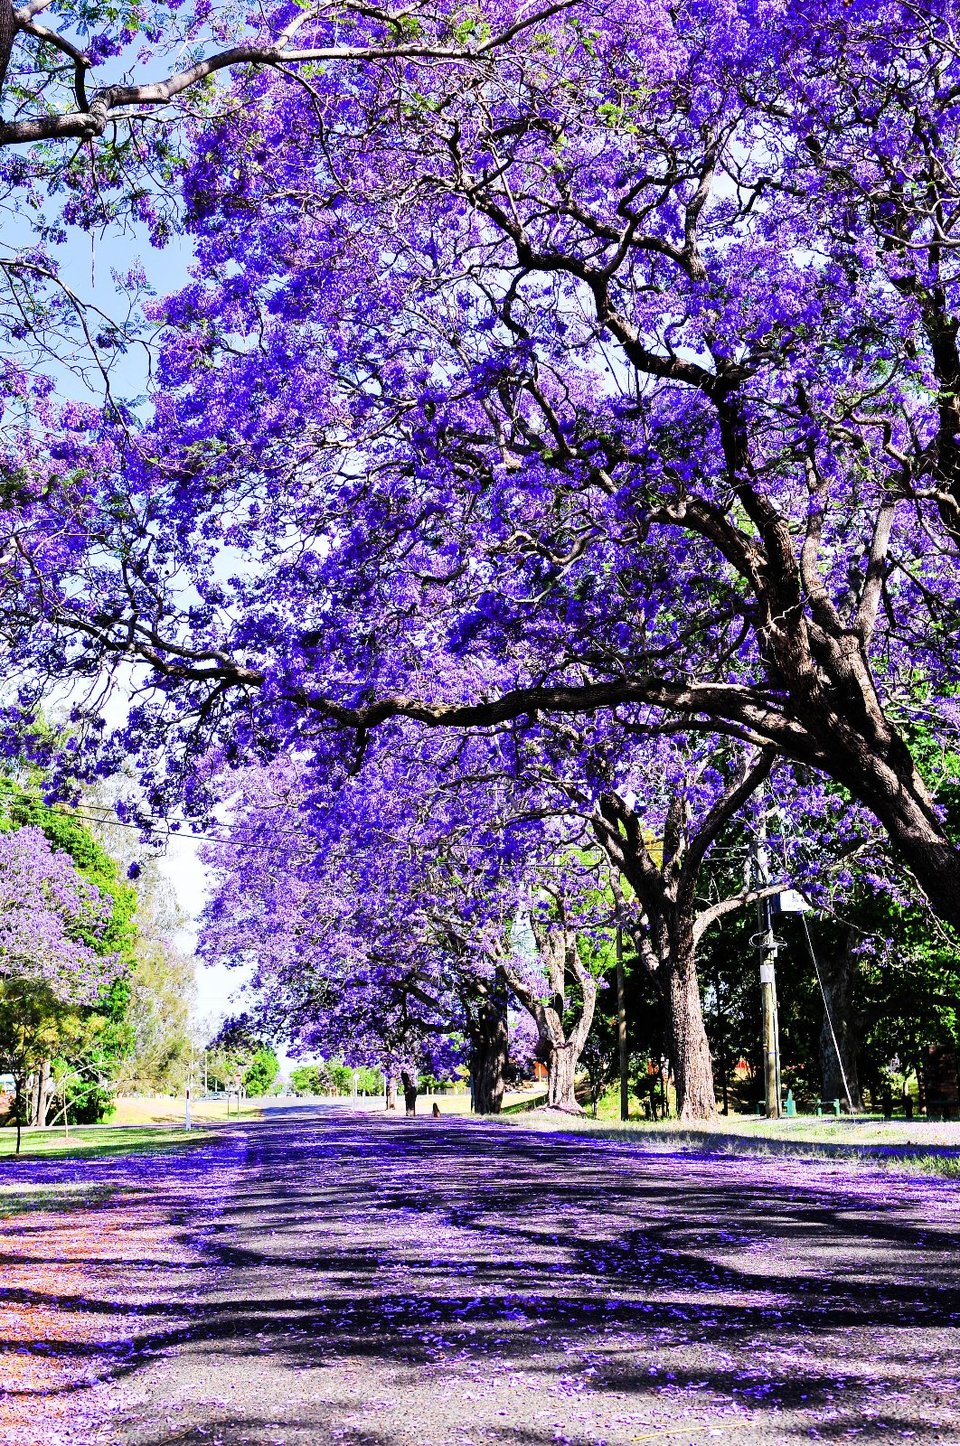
(123,102)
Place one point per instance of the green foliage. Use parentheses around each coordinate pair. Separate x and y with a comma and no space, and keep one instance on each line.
(340,1076)
(261,1073)
(370,1081)
(308,1079)
(334,1077)
(20,806)
(905,995)
(87,1045)
(161,990)
(239,1051)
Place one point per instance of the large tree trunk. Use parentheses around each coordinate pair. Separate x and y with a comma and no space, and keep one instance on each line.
(18,1083)
(489,1047)
(891,787)
(690,1051)
(837,975)
(561,1078)
(391,1092)
(562,1055)
(557,945)
(410,1091)
(8,32)
(40,1096)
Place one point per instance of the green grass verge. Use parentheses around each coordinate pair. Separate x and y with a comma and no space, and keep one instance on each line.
(116,1140)
(75,1195)
(17,1198)
(773,1139)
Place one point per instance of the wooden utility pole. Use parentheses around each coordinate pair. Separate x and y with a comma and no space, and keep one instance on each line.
(768,986)
(622,1028)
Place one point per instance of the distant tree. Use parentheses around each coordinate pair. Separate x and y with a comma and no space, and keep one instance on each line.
(369,1081)
(50,919)
(341,1076)
(239,1051)
(162,989)
(87,1075)
(308,1079)
(261,1073)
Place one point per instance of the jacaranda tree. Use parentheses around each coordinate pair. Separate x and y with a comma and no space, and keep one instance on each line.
(51,920)
(613,371)
(399,909)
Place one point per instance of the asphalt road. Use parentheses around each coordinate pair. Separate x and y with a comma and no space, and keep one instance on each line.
(341,1278)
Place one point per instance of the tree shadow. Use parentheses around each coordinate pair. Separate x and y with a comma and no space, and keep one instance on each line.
(427,1256)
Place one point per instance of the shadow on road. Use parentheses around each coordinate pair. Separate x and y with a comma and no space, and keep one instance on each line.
(433,1282)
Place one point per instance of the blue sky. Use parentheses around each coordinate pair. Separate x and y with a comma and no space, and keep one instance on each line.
(87,267)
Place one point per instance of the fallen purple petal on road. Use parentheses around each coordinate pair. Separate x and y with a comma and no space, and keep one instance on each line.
(302,1281)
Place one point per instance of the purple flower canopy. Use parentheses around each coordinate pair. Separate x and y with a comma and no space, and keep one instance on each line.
(46,912)
(610,373)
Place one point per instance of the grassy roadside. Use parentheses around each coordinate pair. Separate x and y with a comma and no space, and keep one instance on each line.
(919,1148)
(96,1140)
(63,1195)
(86,1146)
(136,1110)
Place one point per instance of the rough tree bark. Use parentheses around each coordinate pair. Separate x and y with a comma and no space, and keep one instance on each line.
(489,1046)
(8,30)
(391,1091)
(559,1051)
(40,1096)
(410,1091)
(561,1078)
(19,1080)
(838,975)
(689,1047)
(664,880)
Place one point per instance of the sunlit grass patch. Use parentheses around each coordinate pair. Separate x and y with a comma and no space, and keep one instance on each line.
(137,1110)
(60,1195)
(96,1140)
(922,1148)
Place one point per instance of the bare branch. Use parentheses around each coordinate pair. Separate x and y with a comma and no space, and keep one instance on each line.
(729,905)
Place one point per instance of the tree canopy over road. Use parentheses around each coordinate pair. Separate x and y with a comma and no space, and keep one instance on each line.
(561,416)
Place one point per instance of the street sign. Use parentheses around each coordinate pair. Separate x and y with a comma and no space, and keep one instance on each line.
(789,901)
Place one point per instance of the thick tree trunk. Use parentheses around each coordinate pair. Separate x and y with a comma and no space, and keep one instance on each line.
(880,772)
(562,1053)
(489,1046)
(690,1051)
(410,1091)
(40,1096)
(936,865)
(561,1078)
(18,1083)
(391,1092)
(837,975)
(8,31)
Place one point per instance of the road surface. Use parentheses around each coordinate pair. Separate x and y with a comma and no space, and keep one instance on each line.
(350,1280)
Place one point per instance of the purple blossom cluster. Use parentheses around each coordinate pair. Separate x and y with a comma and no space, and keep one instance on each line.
(48,913)
(588,399)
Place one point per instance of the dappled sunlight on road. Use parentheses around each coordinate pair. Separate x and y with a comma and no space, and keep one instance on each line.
(342,1278)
